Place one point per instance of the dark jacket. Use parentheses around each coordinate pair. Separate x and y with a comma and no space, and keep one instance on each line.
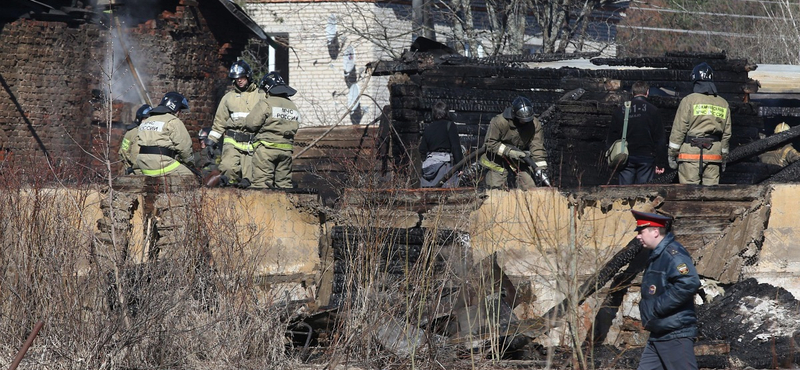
(668,287)
(646,136)
(441,136)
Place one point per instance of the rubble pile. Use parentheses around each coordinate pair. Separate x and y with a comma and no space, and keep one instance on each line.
(759,321)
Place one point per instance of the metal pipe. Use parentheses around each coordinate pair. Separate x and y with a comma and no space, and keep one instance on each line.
(25,346)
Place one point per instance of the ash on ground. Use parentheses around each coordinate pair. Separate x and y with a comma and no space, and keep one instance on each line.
(759,321)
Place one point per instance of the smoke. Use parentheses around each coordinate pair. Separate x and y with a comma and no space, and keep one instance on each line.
(124,64)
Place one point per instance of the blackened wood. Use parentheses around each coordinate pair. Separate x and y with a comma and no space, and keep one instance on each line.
(790,173)
(763,145)
(707,208)
(779,111)
(735,65)
(696,55)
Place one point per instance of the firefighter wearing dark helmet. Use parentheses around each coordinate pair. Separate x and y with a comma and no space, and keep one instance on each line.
(275,121)
(129,148)
(513,135)
(237,146)
(164,142)
(702,123)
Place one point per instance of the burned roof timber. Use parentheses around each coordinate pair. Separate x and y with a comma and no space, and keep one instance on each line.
(477,90)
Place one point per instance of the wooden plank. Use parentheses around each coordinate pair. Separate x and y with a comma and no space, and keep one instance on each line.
(715,193)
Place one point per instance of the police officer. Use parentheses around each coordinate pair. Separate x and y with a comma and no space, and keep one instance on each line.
(237,148)
(702,125)
(129,148)
(510,135)
(782,156)
(275,121)
(164,143)
(669,284)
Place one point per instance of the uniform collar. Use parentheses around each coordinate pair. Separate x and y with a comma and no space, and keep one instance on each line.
(662,245)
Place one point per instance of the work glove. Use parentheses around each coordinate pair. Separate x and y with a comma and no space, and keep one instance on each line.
(515,154)
(673,162)
(211,148)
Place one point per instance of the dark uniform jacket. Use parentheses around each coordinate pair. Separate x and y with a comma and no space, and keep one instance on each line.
(668,287)
(441,136)
(646,136)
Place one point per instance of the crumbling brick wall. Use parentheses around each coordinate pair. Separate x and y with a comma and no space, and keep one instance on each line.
(48,70)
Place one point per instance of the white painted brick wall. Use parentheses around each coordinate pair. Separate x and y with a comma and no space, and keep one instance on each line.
(376,31)
(319,79)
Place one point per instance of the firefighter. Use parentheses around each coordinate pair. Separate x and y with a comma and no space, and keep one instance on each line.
(276,121)
(164,144)
(129,149)
(237,147)
(512,136)
(669,284)
(702,125)
(784,155)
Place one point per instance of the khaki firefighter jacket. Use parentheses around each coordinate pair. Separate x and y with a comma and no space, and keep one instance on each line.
(231,112)
(504,133)
(701,115)
(783,156)
(129,149)
(275,121)
(163,130)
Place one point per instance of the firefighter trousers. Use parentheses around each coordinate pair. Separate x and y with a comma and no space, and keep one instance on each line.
(272,168)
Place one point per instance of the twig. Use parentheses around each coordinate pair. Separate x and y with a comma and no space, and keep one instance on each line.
(349,109)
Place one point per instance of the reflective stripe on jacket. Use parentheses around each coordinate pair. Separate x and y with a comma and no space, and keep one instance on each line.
(234,107)
(701,115)
(504,132)
(275,121)
(164,131)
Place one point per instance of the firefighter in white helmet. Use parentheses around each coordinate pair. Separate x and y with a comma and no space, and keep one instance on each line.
(784,155)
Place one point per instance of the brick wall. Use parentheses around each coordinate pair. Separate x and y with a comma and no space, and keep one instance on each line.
(318,74)
(49,69)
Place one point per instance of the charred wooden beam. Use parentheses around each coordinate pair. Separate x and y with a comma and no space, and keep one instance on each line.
(504,59)
(735,65)
(695,55)
(790,173)
(763,145)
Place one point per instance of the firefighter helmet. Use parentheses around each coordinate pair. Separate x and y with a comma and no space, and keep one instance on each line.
(781,127)
(702,72)
(522,109)
(142,113)
(174,101)
(239,69)
(273,84)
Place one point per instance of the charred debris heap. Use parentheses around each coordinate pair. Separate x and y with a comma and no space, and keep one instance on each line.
(477,89)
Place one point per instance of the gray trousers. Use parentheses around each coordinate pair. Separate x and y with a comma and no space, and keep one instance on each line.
(675,354)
